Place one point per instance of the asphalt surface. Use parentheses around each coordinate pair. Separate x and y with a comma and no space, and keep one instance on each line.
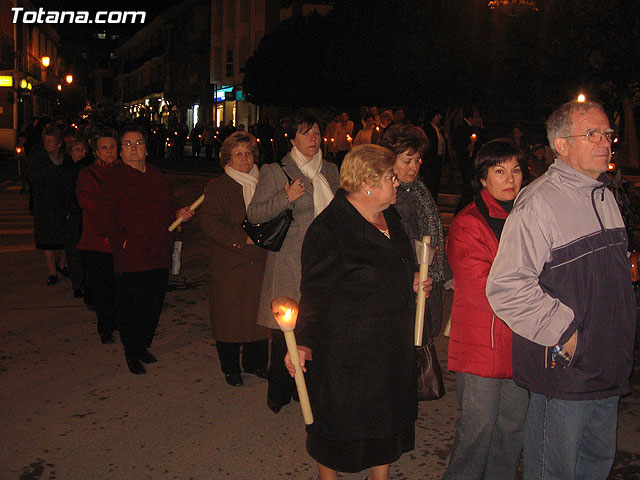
(70,409)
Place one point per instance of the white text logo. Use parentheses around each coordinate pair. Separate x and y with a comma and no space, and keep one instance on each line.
(54,16)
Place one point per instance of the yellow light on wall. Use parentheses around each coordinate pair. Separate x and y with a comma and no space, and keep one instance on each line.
(29,86)
(46,61)
(23,83)
(6,81)
(69,78)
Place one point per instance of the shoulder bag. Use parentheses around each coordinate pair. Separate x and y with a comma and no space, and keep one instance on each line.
(271,234)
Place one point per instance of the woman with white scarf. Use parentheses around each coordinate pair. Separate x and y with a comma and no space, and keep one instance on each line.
(237,264)
(315,182)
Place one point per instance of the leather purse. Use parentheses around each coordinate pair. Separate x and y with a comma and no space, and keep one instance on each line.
(429,373)
(270,235)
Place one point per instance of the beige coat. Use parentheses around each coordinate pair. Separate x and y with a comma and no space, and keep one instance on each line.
(236,269)
(282,273)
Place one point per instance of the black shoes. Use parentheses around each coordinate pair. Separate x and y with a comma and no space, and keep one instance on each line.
(107,338)
(258,372)
(64,271)
(77,293)
(147,357)
(52,280)
(235,380)
(135,366)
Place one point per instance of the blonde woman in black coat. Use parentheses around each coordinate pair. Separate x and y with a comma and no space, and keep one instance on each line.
(356,323)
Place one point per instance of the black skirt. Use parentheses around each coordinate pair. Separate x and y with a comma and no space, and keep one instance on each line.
(357,455)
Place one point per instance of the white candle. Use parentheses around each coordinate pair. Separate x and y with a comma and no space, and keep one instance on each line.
(285,311)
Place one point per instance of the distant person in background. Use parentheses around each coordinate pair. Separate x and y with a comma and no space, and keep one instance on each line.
(100,278)
(398,115)
(435,155)
(73,226)
(281,142)
(537,161)
(196,139)
(364,135)
(467,139)
(386,119)
(209,140)
(343,136)
(518,138)
(51,182)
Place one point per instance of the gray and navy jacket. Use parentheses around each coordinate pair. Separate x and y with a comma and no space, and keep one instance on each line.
(562,266)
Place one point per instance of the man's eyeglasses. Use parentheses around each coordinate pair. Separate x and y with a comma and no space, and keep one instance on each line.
(596,137)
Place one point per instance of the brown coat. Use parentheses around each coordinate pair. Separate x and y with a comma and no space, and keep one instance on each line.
(236,269)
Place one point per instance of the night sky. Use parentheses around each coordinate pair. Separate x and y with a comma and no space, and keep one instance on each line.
(75,31)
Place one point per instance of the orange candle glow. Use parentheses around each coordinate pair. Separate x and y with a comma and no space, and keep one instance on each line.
(285,311)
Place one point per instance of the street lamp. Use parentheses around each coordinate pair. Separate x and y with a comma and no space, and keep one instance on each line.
(69,78)
(46,61)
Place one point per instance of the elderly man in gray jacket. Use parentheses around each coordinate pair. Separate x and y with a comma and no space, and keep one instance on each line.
(561,281)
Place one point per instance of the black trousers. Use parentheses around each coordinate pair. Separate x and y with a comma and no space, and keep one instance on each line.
(139,299)
(100,288)
(281,386)
(255,356)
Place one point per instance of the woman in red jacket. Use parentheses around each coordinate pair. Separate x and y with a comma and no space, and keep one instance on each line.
(99,289)
(488,440)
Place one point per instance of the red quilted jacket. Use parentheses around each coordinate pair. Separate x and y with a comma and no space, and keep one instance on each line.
(480,343)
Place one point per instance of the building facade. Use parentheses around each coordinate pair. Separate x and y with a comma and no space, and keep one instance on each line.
(28,88)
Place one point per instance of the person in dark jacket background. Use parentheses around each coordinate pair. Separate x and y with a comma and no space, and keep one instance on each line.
(51,181)
(356,322)
(561,280)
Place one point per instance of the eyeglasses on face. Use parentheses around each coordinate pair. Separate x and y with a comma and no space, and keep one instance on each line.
(137,143)
(241,155)
(392,178)
(596,137)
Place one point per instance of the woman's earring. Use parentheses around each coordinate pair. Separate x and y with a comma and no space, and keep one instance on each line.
(368,192)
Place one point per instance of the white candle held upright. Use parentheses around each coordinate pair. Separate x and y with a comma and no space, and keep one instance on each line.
(285,311)
(425,253)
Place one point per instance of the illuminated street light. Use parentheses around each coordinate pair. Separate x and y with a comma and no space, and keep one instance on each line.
(59,87)
(23,83)
(46,61)
(69,79)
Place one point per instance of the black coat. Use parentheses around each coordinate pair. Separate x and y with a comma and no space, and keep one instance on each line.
(52,192)
(357,315)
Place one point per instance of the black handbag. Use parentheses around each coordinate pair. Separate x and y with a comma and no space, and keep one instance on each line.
(429,373)
(270,235)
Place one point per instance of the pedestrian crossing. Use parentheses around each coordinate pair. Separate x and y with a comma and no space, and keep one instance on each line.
(16,223)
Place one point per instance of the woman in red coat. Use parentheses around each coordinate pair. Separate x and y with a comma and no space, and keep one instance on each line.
(488,440)
(99,290)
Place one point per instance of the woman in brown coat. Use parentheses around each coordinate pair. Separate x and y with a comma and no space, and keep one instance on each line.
(237,265)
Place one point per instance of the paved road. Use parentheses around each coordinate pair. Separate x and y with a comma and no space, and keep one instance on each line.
(69,408)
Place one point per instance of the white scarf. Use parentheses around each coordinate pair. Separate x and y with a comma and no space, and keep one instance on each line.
(247,180)
(322,193)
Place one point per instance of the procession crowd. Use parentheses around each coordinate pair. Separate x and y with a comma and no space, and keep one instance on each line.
(543,316)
